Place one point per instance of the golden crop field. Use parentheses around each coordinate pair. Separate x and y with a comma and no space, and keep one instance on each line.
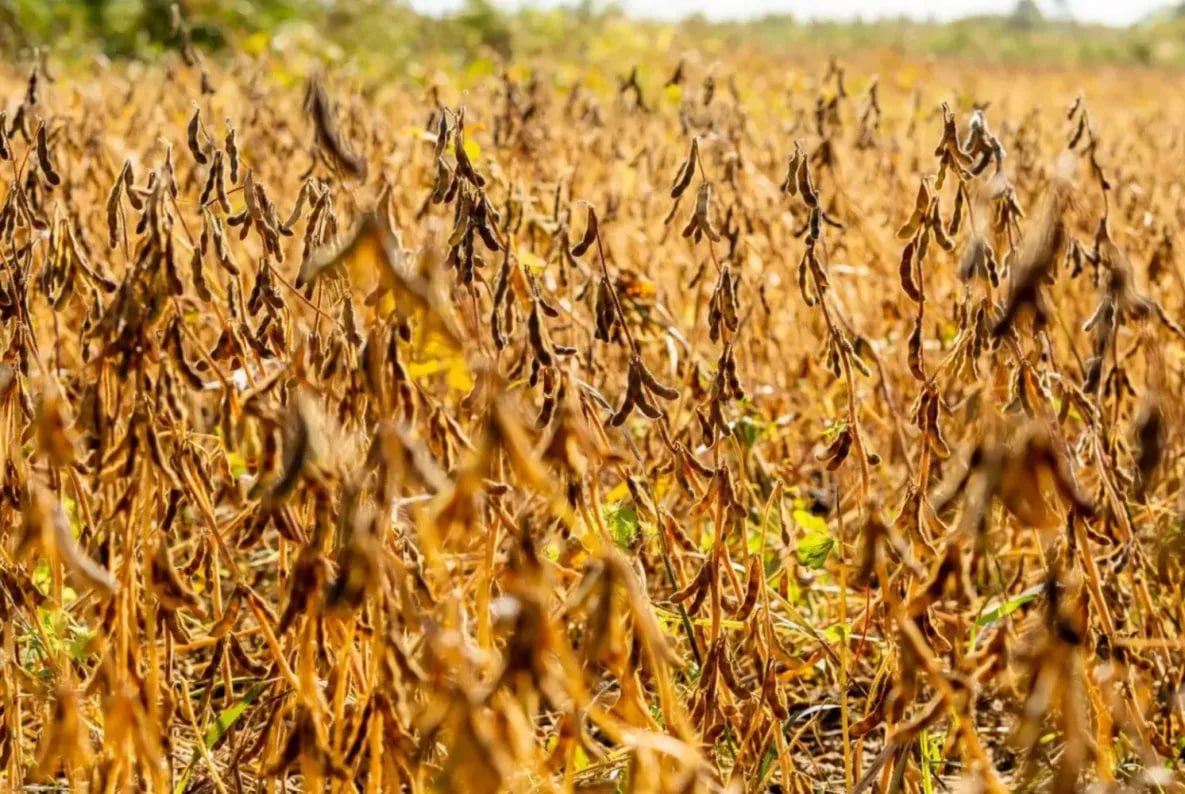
(724,423)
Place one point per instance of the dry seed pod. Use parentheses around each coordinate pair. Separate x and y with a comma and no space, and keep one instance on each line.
(46,523)
(464,165)
(633,392)
(54,436)
(939,231)
(444,181)
(651,383)
(646,407)
(1150,439)
(729,675)
(605,311)
(302,196)
(920,210)
(676,77)
(329,135)
(309,574)
(755,579)
(933,430)
(251,196)
(80,259)
(441,135)
(134,194)
(698,583)
(191,136)
(816,268)
(790,183)
(956,216)
(170,171)
(211,179)
(232,152)
(808,295)
(1078,131)
(20,121)
(590,234)
(772,695)
(219,177)
(805,185)
(358,574)
(915,350)
(51,176)
(683,178)
(167,586)
(838,450)
(701,221)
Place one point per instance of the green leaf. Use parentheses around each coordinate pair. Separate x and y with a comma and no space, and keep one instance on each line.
(238,466)
(814,548)
(817,543)
(750,429)
(837,633)
(228,717)
(70,507)
(80,645)
(834,429)
(927,752)
(623,524)
(223,723)
(1005,609)
(813,524)
(767,761)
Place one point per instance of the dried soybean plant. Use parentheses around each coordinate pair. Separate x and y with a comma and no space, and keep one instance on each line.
(405,438)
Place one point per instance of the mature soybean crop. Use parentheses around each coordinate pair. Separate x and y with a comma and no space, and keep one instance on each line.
(745,425)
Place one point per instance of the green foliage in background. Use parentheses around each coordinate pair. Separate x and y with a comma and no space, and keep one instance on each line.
(387,34)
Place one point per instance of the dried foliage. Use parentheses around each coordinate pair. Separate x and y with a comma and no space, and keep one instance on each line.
(555,435)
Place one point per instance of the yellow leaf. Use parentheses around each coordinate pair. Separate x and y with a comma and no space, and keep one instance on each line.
(480,67)
(256,43)
(473,149)
(533,263)
(810,522)
(386,305)
(907,77)
(361,255)
(726,623)
(458,376)
(621,491)
(432,352)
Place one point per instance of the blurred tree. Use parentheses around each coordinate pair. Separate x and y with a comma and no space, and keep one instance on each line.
(155,22)
(1026,15)
(486,26)
(94,14)
(9,28)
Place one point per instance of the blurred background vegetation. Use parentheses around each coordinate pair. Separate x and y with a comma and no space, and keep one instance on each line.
(389,34)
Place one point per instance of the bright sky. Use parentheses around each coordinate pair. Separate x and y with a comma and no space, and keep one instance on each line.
(1105,11)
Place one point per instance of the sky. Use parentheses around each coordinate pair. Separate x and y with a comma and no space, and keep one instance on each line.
(1104,11)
